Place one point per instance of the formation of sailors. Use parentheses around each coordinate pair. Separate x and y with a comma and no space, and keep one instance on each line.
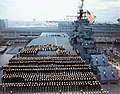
(73,80)
(43,70)
(46,59)
(51,66)
(48,74)
(32,50)
(26,66)
(51,86)
(68,61)
(20,77)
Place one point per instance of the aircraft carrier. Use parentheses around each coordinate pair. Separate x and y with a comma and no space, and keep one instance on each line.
(55,63)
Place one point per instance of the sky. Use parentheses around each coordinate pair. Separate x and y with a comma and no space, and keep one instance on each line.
(104,10)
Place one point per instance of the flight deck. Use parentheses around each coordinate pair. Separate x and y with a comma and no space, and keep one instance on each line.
(35,70)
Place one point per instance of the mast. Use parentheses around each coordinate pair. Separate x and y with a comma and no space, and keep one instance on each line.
(81,10)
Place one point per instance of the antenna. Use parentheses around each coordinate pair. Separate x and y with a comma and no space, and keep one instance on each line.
(82,4)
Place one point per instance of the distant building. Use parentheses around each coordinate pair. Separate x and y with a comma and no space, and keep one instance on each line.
(102,32)
(3,23)
(106,32)
(66,26)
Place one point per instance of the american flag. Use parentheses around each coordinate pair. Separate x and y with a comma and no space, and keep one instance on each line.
(91,17)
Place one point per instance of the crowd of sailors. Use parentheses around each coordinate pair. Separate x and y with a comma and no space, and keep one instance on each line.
(77,58)
(49,74)
(34,49)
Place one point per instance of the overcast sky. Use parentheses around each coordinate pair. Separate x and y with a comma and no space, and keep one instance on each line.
(104,10)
